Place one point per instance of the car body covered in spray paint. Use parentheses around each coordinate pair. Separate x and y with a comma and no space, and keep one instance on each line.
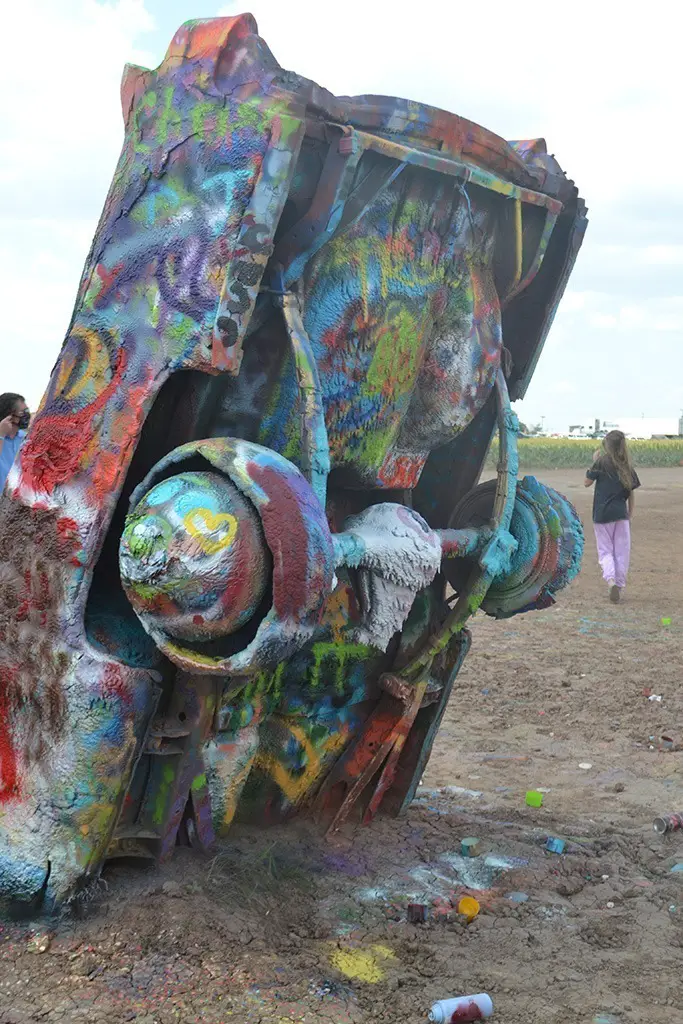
(243,538)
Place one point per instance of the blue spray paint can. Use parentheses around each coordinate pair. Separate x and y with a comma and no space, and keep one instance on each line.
(461,1009)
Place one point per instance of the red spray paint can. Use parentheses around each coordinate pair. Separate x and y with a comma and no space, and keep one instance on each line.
(461,1009)
(668,823)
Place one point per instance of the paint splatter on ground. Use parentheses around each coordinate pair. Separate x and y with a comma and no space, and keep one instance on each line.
(249,937)
(361,964)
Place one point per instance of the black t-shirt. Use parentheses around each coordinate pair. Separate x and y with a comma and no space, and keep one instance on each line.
(610,498)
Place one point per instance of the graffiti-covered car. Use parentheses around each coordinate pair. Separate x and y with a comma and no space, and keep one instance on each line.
(243,539)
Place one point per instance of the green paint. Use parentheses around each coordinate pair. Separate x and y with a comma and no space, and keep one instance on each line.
(161,799)
(394,366)
(170,120)
(222,118)
(392,374)
(199,116)
(166,202)
(292,448)
(265,683)
(330,663)
(376,442)
(181,330)
(152,300)
(144,543)
(336,656)
(276,685)
(198,783)
(289,127)
(249,115)
(554,524)
(146,104)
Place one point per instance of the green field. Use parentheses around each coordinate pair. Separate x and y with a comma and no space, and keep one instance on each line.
(560,453)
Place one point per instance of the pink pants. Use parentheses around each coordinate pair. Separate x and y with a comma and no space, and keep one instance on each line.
(614,549)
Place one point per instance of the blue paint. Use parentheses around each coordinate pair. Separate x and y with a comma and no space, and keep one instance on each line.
(517,897)
(19,879)
(165,490)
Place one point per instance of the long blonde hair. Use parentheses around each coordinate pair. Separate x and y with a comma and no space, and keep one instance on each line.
(617,457)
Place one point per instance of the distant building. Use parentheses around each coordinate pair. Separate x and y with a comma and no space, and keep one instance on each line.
(641,427)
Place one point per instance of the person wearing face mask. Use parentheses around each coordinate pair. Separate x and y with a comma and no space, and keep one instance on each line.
(14,420)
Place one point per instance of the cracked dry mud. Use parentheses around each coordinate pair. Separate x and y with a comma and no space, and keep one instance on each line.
(283,926)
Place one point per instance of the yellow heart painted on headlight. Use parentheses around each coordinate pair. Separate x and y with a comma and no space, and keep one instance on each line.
(213,531)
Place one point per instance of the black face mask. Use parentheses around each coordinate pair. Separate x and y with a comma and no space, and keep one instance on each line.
(24,420)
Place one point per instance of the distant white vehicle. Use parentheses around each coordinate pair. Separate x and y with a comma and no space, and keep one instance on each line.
(636,428)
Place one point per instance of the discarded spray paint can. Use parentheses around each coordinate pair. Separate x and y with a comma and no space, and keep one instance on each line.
(667,743)
(417,913)
(461,1008)
(668,823)
(470,847)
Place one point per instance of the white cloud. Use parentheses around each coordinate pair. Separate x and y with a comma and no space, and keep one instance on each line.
(572,302)
(564,387)
(61,136)
(663,255)
(649,315)
(602,321)
(62,125)
(600,87)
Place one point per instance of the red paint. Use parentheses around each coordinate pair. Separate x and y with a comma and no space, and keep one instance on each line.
(353,323)
(123,432)
(107,277)
(285,528)
(467,1013)
(69,541)
(54,448)
(114,685)
(36,595)
(105,473)
(401,471)
(9,778)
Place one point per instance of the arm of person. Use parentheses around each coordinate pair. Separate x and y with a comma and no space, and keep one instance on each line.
(591,476)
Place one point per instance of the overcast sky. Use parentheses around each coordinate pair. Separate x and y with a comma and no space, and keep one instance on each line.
(600,85)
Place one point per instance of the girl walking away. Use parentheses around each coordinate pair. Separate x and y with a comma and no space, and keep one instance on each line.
(613,503)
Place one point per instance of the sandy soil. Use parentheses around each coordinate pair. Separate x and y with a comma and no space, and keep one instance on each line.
(282,926)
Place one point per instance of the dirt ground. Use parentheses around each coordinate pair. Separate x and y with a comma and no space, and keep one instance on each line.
(282,926)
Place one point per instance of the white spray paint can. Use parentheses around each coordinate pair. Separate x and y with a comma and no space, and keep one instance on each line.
(462,1008)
